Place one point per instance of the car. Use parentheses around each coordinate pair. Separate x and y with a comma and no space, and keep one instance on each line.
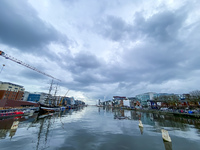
(163,109)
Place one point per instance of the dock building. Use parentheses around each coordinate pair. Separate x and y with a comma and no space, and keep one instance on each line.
(11,91)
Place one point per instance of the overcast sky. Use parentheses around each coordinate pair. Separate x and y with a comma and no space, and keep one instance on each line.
(100,48)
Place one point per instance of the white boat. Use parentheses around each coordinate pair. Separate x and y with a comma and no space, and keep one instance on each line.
(140,124)
(165,135)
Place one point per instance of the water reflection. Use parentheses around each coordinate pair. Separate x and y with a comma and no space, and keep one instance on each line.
(98,128)
(155,119)
(8,127)
(168,145)
(141,129)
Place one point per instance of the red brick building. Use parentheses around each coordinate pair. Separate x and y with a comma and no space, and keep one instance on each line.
(11,91)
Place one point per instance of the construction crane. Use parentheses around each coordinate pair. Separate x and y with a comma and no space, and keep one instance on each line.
(6,56)
(60,104)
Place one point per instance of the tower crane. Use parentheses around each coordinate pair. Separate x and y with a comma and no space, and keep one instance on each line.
(6,56)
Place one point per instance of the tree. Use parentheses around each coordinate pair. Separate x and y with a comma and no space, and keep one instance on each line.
(174,100)
(195,96)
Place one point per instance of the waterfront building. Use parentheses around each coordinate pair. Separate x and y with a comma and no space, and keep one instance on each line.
(134,102)
(68,101)
(78,102)
(11,91)
(126,103)
(44,97)
(107,103)
(184,96)
(37,97)
(34,97)
(118,100)
(145,96)
(26,94)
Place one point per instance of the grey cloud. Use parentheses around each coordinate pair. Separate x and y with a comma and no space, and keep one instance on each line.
(162,26)
(155,61)
(20,27)
(112,27)
(84,61)
(32,75)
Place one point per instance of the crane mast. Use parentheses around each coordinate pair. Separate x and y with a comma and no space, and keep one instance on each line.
(6,56)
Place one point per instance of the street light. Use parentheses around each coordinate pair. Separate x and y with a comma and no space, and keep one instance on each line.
(2,68)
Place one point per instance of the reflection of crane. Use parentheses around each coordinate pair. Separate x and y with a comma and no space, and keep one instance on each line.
(24,64)
(60,104)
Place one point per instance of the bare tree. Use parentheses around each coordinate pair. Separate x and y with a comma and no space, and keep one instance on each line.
(195,96)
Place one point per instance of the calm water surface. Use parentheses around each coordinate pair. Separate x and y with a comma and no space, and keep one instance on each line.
(93,128)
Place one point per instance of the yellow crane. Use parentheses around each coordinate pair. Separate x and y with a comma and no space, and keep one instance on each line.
(60,104)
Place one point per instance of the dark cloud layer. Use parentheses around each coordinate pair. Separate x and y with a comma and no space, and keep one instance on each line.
(21,27)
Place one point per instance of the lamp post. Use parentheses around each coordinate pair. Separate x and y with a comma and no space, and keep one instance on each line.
(2,68)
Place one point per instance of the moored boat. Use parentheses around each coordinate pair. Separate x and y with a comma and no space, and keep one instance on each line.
(10,113)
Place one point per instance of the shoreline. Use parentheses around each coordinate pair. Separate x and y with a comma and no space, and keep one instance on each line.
(188,115)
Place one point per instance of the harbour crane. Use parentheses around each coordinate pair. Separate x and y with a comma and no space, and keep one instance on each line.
(6,56)
(60,104)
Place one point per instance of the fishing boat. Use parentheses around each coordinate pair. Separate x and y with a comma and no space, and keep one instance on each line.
(165,135)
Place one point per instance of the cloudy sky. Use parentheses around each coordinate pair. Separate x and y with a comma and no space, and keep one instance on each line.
(100,48)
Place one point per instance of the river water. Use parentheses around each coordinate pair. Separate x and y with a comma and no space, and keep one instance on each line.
(94,128)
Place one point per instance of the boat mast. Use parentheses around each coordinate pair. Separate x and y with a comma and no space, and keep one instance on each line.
(47,101)
(54,100)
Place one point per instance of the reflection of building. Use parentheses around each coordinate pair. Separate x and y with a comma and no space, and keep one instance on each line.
(5,126)
(11,91)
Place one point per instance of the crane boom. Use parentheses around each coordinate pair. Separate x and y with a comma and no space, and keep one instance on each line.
(6,56)
(60,104)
